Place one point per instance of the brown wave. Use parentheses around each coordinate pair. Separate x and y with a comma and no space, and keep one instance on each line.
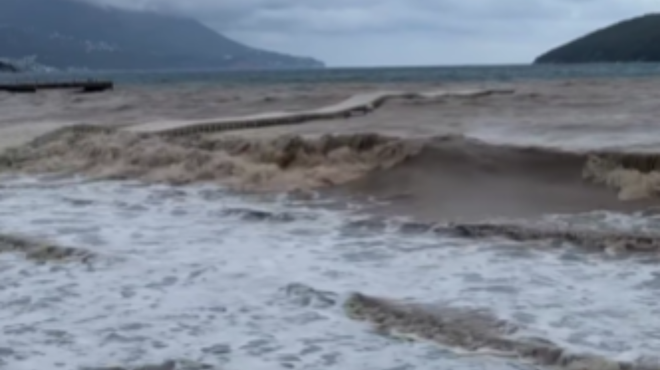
(254,215)
(476,330)
(633,175)
(280,164)
(444,177)
(612,242)
(458,178)
(609,241)
(42,251)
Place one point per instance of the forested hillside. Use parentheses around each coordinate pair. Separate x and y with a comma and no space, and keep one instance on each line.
(633,40)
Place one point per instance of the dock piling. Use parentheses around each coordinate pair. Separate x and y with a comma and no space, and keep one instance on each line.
(89,86)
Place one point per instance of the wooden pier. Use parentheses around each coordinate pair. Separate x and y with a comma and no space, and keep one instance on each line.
(88,86)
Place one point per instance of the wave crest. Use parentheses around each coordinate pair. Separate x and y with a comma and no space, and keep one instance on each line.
(452,174)
(634,176)
(476,331)
(285,163)
(41,251)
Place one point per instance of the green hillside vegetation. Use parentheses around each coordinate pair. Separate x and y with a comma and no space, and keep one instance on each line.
(633,40)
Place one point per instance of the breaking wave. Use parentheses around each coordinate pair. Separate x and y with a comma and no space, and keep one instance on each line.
(476,331)
(285,163)
(42,251)
(442,176)
(608,240)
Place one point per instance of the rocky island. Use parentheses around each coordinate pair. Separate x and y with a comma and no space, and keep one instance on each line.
(632,40)
(71,34)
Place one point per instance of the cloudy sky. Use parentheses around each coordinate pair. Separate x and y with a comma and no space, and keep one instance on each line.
(404,32)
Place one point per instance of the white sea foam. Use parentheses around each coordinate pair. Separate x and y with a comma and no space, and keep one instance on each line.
(194,281)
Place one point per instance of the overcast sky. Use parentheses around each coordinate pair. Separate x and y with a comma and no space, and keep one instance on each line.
(405,32)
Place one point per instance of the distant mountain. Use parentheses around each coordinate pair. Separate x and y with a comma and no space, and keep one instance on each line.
(75,34)
(7,67)
(633,40)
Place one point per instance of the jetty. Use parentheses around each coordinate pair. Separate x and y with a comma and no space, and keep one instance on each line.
(87,86)
(357,105)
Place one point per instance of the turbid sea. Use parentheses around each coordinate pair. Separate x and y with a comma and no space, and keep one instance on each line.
(360,75)
(497,229)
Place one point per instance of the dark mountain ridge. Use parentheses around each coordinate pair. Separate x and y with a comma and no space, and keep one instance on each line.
(632,40)
(8,67)
(75,34)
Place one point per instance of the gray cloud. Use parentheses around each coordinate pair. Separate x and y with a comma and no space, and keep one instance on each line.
(412,32)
